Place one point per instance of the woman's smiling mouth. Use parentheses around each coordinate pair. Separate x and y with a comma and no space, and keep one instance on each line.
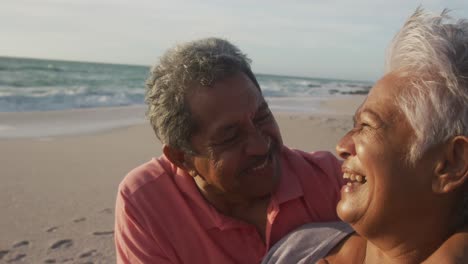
(352,179)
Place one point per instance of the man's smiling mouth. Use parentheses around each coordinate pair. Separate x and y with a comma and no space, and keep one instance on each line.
(262,165)
(266,160)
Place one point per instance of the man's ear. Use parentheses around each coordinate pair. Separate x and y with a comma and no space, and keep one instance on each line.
(176,156)
(451,172)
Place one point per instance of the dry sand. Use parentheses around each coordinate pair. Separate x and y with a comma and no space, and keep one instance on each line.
(57,192)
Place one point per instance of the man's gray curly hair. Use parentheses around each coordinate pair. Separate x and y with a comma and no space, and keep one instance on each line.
(180,70)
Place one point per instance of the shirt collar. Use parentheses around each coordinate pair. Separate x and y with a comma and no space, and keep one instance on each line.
(289,188)
(207,214)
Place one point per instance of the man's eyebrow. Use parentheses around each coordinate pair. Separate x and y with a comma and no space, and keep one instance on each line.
(222,129)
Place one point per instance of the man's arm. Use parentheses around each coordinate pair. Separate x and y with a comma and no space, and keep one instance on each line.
(133,244)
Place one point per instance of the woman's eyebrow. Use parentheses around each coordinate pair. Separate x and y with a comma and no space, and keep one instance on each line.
(371,112)
(368,111)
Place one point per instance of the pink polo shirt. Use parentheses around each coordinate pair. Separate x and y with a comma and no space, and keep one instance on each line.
(161,216)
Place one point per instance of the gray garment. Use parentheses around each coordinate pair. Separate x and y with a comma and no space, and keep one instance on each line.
(308,243)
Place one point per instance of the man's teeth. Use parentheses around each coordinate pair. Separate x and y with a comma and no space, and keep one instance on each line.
(354,177)
(261,166)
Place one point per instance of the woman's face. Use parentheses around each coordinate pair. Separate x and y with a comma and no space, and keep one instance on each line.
(384,192)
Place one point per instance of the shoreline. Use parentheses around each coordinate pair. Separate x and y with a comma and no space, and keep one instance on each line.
(69,122)
(73,122)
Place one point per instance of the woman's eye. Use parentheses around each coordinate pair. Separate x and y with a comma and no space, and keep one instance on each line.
(360,126)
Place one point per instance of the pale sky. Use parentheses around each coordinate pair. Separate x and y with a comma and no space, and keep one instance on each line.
(327,39)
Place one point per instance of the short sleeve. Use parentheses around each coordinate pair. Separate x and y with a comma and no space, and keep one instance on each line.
(133,243)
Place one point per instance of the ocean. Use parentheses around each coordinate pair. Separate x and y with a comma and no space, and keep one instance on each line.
(29,85)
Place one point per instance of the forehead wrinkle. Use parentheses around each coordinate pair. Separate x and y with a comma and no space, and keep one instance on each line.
(374,106)
(358,110)
(388,116)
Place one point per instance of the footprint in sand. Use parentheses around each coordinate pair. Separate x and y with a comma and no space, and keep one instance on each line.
(67,260)
(88,253)
(17,258)
(106,211)
(79,219)
(21,244)
(50,261)
(52,229)
(61,244)
(103,233)
(3,253)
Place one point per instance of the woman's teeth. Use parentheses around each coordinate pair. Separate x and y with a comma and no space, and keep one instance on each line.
(354,177)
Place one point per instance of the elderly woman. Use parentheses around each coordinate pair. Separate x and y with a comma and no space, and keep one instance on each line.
(405,160)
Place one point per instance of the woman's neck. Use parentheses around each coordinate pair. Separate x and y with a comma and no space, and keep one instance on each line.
(403,253)
(413,245)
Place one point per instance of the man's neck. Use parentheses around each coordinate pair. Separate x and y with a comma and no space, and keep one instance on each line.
(223,203)
(252,211)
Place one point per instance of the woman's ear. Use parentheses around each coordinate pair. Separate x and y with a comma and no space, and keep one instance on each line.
(451,171)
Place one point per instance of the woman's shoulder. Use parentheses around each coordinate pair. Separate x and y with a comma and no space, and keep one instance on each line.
(308,243)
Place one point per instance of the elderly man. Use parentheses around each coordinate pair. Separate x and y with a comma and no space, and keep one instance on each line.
(226,188)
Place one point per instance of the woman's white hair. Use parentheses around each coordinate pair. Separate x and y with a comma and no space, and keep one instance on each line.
(433,51)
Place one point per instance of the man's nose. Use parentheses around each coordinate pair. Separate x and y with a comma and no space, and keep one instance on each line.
(258,143)
(345,146)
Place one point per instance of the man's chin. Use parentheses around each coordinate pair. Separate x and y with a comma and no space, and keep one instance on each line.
(263,185)
(264,181)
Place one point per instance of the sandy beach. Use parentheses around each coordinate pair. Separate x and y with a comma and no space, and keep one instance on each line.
(60,171)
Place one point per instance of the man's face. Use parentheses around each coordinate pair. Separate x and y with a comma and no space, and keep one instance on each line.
(237,139)
(385,191)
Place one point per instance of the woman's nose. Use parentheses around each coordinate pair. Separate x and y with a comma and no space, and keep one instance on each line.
(345,146)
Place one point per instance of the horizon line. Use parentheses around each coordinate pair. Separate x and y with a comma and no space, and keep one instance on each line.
(149,66)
